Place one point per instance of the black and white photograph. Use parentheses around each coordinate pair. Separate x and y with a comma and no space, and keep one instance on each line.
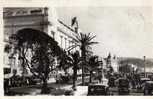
(78,51)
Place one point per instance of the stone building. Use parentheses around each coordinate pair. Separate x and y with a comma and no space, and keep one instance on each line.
(111,63)
(43,19)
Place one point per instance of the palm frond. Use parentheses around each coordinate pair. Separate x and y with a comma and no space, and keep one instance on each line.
(72,47)
(91,43)
(91,37)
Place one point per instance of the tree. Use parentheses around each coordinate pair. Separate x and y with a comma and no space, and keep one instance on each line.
(92,66)
(37,51)
(64,61)
(71,60)
(84,42)
(75,60)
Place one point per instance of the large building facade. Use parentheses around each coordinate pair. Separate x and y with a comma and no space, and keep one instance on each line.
(43,19)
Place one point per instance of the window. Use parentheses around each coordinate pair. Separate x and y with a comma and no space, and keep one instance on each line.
(21,12)
(61,37)
(7,70)
(6,37)
(65,43)
(12,61)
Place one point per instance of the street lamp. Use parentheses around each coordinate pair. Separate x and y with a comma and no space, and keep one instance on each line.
(144,66)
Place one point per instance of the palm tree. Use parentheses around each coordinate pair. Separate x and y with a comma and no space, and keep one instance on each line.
(75,59)
(71,60)
(92,66)
(84,42)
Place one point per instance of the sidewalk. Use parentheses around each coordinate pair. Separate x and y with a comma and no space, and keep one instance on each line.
(36,89)
(56,89)
(81,91)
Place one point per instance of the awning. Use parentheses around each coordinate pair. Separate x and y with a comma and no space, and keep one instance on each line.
(7,76)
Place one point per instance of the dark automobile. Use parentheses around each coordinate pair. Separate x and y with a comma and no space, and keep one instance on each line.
(142,84)
(111,82)
(16,81)
(143,80)
(148,88)
(123,86)
(63,78)
(69,93)
(33,80)
(97,89)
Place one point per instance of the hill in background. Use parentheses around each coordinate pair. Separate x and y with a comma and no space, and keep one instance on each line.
(136,61)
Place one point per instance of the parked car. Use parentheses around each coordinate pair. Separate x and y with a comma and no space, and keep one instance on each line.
(111,82)
(33,80)
(142,84)
(16,81)
(123,86)
(148,88)
(63,78)
(69,93)
(97,89)
(142,80)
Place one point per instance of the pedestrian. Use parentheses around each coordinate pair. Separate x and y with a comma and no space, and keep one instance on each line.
(100,78)
(58,78)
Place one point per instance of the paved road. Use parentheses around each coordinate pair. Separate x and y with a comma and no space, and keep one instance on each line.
(133,92)
(59,89)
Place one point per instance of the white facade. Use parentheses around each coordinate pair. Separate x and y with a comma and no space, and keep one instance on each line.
(115,65)
(113,62)
(43,19)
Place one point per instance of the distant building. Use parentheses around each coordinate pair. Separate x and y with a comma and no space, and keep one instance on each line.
(43,19)
(112,63)
(148,69)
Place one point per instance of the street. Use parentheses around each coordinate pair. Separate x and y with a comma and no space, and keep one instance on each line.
(60,89)
(81,90)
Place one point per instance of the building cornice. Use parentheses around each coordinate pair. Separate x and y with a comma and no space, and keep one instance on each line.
(26,15)
(28,24)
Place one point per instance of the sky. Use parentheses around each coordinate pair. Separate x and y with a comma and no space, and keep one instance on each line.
(122,31)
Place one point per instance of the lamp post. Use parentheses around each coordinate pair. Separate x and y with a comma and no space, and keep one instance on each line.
(144,66)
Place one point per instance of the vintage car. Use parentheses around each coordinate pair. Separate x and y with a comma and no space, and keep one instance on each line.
(16,81)
(111,82)
(66,78)
(148,88)
(142,84)
(123,86)
(142,80)
(97,89)
(33,80)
